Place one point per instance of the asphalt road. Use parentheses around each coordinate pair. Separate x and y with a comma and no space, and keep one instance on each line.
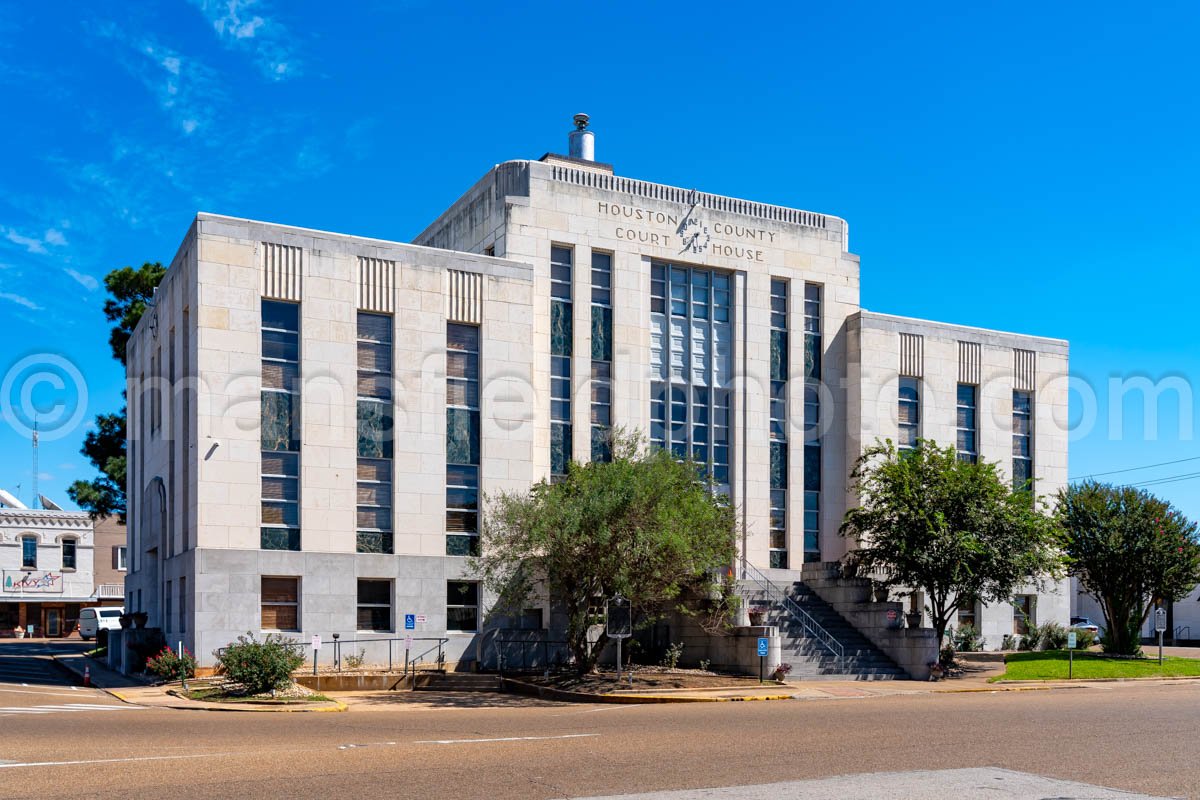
(1141,737)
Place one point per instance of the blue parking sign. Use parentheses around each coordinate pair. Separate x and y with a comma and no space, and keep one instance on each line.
(410,622)
(763,644)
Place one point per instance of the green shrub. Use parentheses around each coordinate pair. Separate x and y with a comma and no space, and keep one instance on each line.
(1031,639)
(354,661)
(1009,642)
(671,659)
(1054,636)
(170,665)
(261,667)
(966,639)
(1084,639)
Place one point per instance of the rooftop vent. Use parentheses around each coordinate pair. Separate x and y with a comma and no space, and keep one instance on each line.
(582,142)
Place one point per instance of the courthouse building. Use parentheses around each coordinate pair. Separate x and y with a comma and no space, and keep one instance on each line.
(351,400)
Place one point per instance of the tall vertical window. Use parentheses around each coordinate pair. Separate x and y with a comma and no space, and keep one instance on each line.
(691,361)
(779,424)
(812,422)
(561,340)
(168,597)
(375,434)
(967,440)
(183,605)
(68,553)
(28,552)
(602,356)
(462,439)
(280,438)
(1022,468)
(909,413)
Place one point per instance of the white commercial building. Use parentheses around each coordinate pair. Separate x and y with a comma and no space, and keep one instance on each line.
(336,406)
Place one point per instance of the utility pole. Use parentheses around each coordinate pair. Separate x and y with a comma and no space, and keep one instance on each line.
(35,503)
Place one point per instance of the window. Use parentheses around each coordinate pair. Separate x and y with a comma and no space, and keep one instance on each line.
(1022,469)
(967,442)
(602,356)
(1024,609)
(120,558)
(462,606)
(374,605)
(561,348)
(462,439)
(691,361)
(375,433)
(167,595)
(68,553)
(966,614)
(779,425)
(183,605)
(812,421)
(28,552)
(909,413)
(280,420)
(280,604)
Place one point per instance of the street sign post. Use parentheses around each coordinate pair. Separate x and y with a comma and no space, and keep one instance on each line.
(1160,625)
(618,623)
(1071,644)
(764,645)
(316,645)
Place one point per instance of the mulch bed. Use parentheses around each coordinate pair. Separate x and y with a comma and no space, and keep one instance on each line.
(607,681)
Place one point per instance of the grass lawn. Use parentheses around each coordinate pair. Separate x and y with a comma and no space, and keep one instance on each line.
(1052,665)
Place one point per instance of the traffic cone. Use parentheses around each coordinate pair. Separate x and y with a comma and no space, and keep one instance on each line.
(87,675)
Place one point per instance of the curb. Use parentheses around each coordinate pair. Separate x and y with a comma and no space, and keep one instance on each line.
(185,706)
(79,676)
(1070,682)
(549,693)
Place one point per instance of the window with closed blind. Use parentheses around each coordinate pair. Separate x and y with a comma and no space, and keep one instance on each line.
(780,373)
(280,604)
(602,356)
(561,349)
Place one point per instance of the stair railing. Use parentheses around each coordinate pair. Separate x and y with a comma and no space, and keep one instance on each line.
(811,627)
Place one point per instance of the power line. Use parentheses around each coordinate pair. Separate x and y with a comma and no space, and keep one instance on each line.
(1167,479)
(1134,469)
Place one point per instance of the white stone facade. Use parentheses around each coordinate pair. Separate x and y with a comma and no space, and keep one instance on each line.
(47,590)
(194,471)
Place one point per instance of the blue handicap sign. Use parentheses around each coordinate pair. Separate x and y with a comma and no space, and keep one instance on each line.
(410,622)
(763,644)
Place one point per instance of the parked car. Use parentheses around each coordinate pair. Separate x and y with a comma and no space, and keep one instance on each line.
(1085,624)
(94,620)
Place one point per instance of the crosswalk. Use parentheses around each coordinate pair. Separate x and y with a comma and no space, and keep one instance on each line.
(65,708)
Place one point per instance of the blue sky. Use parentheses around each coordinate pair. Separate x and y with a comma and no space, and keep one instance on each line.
(1022,167)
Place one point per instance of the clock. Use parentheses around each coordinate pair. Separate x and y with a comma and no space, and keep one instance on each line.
(693,233)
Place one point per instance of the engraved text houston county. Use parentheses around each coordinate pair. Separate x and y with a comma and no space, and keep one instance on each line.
(680,237)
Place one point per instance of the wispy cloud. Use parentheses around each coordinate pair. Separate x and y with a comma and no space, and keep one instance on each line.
(34,244)
(184,87)
(247,25)
(86,281)
(20,300)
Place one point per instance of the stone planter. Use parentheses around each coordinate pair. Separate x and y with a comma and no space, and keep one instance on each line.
(126,620)
(913,620)
(140,618)
(19,633)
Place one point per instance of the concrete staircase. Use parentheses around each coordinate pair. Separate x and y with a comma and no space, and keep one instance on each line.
(809,657)
(457,682)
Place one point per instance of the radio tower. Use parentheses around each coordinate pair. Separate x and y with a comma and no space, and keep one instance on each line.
(35,503)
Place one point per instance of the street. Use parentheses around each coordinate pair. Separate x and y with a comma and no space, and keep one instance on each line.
(1133,736)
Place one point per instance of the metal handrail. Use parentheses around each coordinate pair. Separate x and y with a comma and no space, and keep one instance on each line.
(811,627)
(441,656)
(1179,630)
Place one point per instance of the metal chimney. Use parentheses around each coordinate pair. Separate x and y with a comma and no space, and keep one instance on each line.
(582,141)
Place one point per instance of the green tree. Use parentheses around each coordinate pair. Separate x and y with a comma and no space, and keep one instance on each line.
(130,290)
(642,525)
(1128,548)
(952,529)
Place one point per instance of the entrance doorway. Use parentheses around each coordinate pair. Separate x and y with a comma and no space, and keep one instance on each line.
(53,622)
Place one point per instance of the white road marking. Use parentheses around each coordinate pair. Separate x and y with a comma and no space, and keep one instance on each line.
(507,739)
(52,694)
(68,708)
(597,710)
(109,760)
